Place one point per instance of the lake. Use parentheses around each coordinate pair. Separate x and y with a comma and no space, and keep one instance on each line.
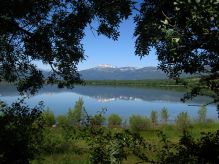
(124,101)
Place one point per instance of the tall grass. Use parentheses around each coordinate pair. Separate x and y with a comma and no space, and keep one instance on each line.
(61,143)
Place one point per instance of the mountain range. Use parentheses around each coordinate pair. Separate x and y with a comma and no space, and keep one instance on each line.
(109,72)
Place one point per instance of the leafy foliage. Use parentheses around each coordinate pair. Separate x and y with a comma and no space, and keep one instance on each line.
(114,120)
(20,132)
(111,147)
(75,115)
(184,33)
(51,32)
(185,36)
(53,141)
(62,120)
(188,150)
(164,115)
(154,118)
(202,114)
(97,120)
(106,146)
(183,122)
(48,118)
(96,143)
(139,123)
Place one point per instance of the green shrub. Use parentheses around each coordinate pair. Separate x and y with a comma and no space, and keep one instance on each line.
(21,133)
(75,114)
(48,117)
(202,114)
(62,120)
(183,122)
(164,115)
(97,119)
(205,149)
(109,146)
(114,120)
(125,124)
(139,123)
(154,118)
(54,142)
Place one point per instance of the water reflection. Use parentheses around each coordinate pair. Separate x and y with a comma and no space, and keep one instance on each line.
(105,94)
(121,100)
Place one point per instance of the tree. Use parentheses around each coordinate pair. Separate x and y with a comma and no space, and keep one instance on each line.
(20,133)
(51,32)
(75,114)
(164,115)
(114,120)
(48,118)
(154,118)
(62,121)
(97,120)
(203,149)
(139,123)
(183,122)
(202,114)
(185,35)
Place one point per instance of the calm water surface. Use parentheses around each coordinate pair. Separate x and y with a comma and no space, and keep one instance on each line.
(124,101)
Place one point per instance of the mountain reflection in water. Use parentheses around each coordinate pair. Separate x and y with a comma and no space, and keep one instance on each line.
(121,100)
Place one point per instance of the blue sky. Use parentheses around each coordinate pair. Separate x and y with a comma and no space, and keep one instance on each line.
(120,53)
(102,50)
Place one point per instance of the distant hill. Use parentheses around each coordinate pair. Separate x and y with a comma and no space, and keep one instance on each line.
(108,72)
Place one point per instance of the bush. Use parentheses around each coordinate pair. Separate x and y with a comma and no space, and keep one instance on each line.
(190,150)
(164,116)
(97,120)
(139,123)
(75,115)
(62,120)
(183,122)
(154,118)
(202,114)
(114,120)
(21,132)
(54,142)
(48,118)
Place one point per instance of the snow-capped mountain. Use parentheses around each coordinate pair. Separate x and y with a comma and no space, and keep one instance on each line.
(109,72)
(105,66)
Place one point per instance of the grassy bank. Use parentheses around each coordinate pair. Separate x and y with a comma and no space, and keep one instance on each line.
(79,138)
(66,150)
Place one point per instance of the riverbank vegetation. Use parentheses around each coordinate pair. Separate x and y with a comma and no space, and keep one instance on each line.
(136,83)
(184,84)
(80,138)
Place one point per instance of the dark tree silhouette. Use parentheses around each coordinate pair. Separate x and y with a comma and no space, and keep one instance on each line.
(185,35)
(20,132)
(51,32)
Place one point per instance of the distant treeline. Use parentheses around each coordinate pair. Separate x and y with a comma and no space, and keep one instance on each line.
(141,83)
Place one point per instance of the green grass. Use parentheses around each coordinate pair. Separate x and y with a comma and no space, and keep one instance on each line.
(78,152)
(64,158)
(69,143)
(173,134)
